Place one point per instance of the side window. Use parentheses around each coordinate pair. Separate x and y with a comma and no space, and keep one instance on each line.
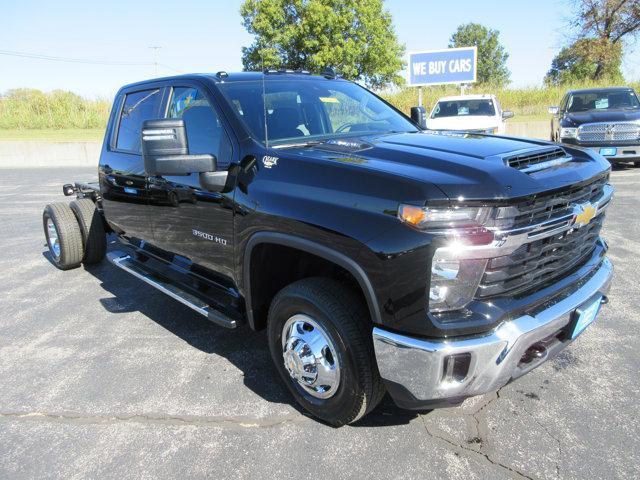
(138,107)
(205,134)
(563,104)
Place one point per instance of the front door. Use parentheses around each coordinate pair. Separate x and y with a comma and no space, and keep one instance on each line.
(121,173)
(188,220)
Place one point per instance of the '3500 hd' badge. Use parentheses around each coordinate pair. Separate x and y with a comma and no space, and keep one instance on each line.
(269,162)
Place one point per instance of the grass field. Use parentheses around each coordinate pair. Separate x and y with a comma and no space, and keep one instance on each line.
(64,116)
(527,103)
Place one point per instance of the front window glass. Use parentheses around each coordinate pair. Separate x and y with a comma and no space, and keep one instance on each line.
(303,110)
(138,107)
(463,108)
(205,134)
(603,100)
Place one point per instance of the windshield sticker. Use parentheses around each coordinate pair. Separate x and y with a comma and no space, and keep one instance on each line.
(329,99)
(602,103)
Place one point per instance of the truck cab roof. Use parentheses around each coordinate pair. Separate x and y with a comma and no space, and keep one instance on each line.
(229,77)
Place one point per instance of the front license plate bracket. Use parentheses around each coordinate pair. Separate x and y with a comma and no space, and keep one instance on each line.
(583,316)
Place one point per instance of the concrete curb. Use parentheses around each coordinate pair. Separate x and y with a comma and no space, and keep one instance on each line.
(540,129)
(38,154)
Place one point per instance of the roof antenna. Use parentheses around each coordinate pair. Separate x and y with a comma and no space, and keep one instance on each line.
(264,104)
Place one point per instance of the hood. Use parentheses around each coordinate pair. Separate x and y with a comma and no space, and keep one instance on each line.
(473,122)
(595,116)
(465,166)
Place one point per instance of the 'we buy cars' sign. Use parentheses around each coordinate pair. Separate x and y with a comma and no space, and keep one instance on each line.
(437,67)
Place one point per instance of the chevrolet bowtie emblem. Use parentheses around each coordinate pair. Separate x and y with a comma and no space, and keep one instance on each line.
(583,214)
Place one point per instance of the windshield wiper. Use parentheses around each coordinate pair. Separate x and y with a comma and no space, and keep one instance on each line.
(309,143)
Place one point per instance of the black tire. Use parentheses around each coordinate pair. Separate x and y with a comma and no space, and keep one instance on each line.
(344,317)
(636,164)
(173,199)
(68,251)
(94,237)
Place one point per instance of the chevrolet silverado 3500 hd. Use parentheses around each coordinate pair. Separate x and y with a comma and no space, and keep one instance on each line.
(378,256)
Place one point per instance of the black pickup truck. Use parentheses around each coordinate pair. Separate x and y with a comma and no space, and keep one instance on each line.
(606,120)
(378,256)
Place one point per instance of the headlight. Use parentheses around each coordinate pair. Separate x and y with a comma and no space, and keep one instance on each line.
(454,279)
(568,132)
(466,224)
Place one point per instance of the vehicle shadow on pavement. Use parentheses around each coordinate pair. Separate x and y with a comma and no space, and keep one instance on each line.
(246,349)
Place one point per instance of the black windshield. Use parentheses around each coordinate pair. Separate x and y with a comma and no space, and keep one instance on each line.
(463,108)
(603,100)
(310,109)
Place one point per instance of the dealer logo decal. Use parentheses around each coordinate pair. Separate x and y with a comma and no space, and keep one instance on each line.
(269,162)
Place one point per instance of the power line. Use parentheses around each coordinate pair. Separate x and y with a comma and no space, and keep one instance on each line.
(70,60)
(88,61)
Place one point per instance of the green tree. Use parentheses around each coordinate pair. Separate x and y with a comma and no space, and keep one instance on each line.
(492,57)
(600,29)
(356,37)
(581,60)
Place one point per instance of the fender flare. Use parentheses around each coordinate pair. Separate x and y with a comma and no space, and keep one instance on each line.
(313,248)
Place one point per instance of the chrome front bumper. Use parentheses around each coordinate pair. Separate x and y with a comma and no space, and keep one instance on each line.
(416,370)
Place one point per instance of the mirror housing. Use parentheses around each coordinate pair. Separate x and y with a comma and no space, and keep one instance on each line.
(419,117)
(554,110)
(506,114)
(165,151)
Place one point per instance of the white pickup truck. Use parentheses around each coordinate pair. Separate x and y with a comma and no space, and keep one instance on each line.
(475,113)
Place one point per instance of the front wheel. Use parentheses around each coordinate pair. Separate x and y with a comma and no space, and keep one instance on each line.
(320,341)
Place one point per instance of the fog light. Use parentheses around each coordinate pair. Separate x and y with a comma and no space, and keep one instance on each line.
(453,282)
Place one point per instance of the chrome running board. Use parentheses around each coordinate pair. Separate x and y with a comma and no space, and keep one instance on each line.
(130,265)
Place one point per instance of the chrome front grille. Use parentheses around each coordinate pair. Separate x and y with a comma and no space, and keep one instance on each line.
(609,132)
(543,243)
(547,207)
(540,262)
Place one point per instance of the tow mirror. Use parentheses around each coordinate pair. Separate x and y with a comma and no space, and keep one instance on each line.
(507,114)
(419,116)
(554,110)
(165,151)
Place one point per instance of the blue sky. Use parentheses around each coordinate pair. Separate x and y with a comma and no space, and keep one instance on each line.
(207,35)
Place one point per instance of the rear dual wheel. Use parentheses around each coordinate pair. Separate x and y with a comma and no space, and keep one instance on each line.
(74,233)
(63,235)
(94,237)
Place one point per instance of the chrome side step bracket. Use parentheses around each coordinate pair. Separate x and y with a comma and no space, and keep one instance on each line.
(130,265)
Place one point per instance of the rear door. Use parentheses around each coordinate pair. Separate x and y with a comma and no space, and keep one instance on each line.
(186,219)
(121,173)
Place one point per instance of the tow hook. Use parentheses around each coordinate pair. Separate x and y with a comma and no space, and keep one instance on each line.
(535,351)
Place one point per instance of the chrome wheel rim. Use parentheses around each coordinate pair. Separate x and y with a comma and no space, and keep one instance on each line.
(52,238)
(310,357)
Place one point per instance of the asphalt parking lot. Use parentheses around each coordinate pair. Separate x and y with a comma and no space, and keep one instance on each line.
(103,377)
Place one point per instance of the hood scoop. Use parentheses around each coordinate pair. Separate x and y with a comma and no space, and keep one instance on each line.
(530,161)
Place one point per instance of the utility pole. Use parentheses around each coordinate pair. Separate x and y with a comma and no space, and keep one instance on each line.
(156,54)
